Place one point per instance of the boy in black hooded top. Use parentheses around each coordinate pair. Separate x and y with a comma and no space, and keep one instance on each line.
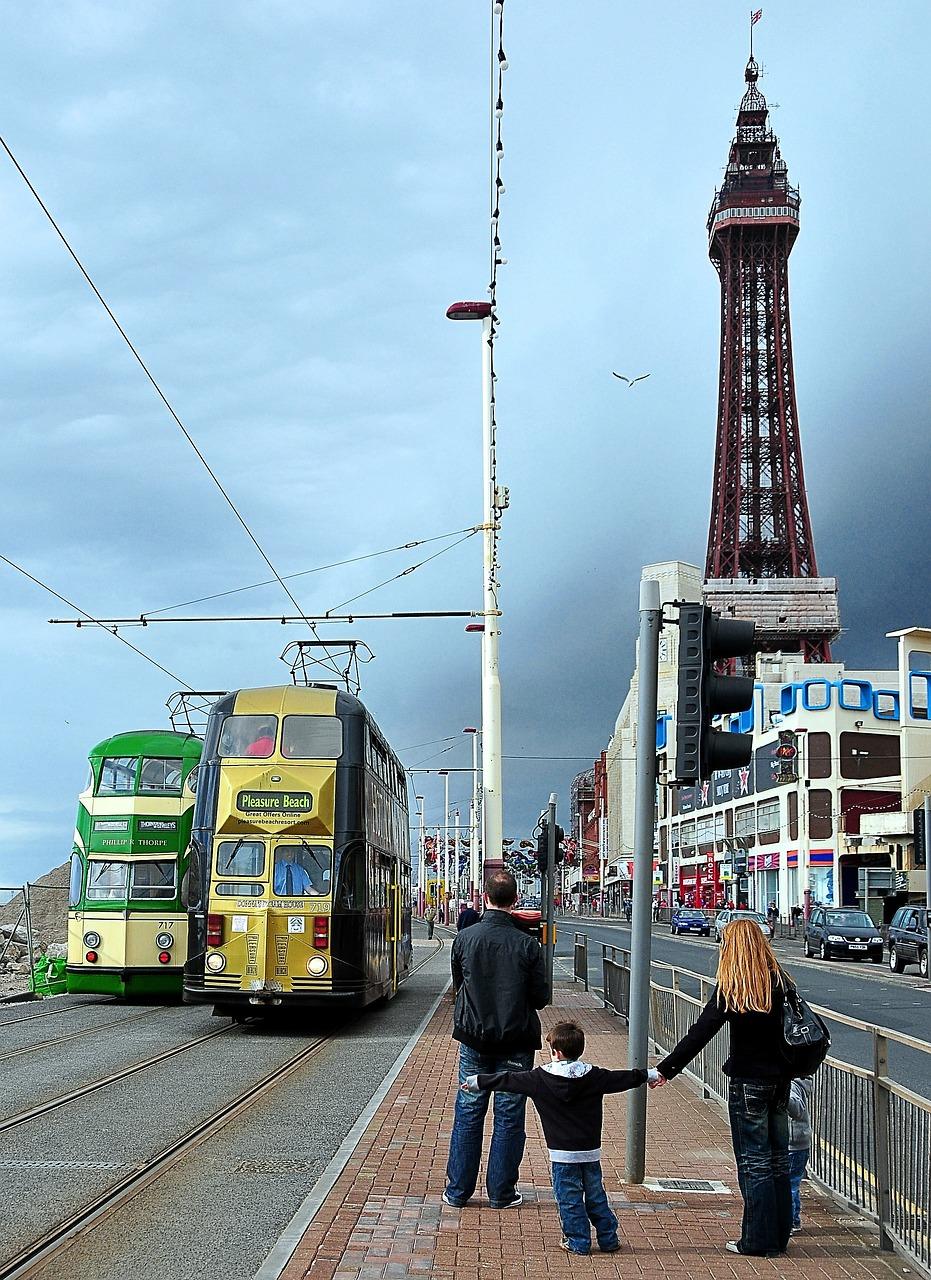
(568,1095)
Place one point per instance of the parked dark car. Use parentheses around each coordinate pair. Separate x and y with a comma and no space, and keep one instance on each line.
(690,920)
(842,931)
(908,939)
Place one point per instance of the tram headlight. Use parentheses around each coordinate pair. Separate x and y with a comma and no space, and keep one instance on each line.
(215,962)
(317,965)
(91,939)
(164,941)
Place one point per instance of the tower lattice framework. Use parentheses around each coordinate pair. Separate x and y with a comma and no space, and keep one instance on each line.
(760,529)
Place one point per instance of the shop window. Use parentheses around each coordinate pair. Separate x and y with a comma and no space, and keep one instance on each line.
(819,755)
(820,819)
(767,821)
(869,755)
(745,821)
(688,837)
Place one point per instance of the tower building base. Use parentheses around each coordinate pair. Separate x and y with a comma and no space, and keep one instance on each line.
(792,615)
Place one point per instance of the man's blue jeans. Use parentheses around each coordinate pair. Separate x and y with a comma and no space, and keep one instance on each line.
(798,1163)
(581,1199)
(508,1136)
(760,1131)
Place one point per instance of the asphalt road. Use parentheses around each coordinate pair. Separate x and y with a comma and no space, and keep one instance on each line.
(855,988)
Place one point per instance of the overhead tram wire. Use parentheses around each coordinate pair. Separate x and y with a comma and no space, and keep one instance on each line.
(404,572)
(110,631)
(337,564)
(151,378)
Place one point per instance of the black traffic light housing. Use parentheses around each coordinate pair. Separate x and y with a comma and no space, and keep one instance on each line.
(787,755)
(542,839)
(704,639)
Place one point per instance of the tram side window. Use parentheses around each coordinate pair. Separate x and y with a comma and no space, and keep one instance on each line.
(302,870)
(153,879)
(77,875)
(241,858)
(350,891)
(118,776)
(312,738)
(244,736)
(160,775)
(106,881)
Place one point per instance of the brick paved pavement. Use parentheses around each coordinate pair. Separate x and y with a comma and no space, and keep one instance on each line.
(384,1218)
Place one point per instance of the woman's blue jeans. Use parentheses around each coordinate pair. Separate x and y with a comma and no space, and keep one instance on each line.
(508,1136)
(580,1198)
(760,1131)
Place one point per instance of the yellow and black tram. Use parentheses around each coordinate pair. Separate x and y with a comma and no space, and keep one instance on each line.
(298,889)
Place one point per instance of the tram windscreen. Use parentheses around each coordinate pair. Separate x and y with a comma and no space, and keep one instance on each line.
(245,736)
(302,870)
(106,881)
(118,776)
(312,738)
(160,775)
(153,879)
(240,858)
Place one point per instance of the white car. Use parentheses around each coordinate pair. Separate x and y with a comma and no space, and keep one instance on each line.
(724,918)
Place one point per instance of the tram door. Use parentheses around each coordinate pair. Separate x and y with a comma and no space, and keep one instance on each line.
(394,924)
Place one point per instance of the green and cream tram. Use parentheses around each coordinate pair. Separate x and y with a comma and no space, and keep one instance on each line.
(299,883)
(127,931)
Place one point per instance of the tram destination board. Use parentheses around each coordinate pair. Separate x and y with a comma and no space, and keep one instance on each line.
(275,802)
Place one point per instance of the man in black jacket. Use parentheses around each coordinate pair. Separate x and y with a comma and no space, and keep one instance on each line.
(500,981)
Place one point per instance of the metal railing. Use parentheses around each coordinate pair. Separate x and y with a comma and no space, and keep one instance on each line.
(871,1136)
(20,922)
(580,959)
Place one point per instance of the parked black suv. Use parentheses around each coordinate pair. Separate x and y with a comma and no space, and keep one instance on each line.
(843,931)
(908,939)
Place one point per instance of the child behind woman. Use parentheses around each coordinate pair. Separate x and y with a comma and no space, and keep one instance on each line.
(799,1142)
(568,1095)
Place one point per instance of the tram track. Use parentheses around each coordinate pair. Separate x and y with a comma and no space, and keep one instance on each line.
(76,1035)
(48,1013)
(35,1257)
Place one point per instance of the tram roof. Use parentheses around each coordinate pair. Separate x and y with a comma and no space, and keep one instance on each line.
(150,742)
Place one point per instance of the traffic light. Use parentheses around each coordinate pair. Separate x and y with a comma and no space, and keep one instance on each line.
(542,840)
(704,639)
(787,755)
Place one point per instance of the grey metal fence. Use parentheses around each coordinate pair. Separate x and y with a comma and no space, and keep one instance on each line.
(580,959)
(871,1135)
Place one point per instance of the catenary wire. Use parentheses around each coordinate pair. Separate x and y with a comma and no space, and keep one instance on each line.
(337,564)
(404,572)
(151,378)
(109,631)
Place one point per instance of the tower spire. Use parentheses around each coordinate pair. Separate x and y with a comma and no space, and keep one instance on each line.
(760,529)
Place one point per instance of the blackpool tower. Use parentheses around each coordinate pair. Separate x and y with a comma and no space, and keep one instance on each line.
(761,555)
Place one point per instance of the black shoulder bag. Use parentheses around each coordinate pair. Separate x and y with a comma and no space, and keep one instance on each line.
(806,1039)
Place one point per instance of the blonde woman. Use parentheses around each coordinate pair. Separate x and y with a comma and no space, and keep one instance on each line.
(749,998)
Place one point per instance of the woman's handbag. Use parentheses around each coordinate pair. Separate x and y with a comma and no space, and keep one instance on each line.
(806,1039)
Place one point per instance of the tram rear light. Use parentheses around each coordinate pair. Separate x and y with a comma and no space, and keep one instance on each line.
(91,957)
(321,932)
(214,931)
(164,957)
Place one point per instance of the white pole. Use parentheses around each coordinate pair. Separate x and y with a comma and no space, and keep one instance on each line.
(421,860)
(456,838)
(492,804)
(475,866)
(446,839)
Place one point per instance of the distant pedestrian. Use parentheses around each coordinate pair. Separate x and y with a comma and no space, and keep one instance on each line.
(655,909)
(568,1095)
(467,916)
(430,919)
(749,995)
(799,1141)
(500,981)
(772,913)
(628,909)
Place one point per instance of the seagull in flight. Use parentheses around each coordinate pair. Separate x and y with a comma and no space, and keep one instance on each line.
(630,381)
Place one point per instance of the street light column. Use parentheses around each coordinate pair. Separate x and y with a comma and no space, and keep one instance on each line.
(492,801)
(475,885)
(445,776)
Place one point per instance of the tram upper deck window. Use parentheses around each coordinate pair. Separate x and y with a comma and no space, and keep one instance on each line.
(248,736)
(241,858)
(302,870)
(106,881)
(118,776)
(153,879)
(312,738)
(162,775)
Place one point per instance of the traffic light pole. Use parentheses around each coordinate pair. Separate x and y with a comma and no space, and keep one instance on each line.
(550,892)
(638,1043)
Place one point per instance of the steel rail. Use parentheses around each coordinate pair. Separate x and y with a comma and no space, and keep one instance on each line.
(52,1104)
(40,1252)
(63,1008)
(74,1035)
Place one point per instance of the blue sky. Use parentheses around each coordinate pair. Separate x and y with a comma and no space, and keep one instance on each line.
(280,199)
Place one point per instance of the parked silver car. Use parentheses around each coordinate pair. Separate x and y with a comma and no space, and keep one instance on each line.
(724,918)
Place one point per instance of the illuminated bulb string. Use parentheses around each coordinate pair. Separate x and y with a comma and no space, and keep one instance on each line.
(499,64)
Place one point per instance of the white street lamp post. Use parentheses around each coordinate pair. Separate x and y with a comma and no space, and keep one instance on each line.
(444,774)
(475,886)
(421,859)
(492,805)
(456,852)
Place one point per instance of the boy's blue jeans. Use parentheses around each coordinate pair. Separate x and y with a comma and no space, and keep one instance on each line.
(581,1199)
(798,1163)
(508,1136)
